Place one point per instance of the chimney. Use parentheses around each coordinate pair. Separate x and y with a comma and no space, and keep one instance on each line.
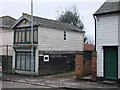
(25,15)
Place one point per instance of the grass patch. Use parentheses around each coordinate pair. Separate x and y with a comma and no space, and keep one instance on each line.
(55,74)
(65,76)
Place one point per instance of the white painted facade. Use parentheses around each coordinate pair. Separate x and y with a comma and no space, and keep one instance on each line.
(107,34)
(6,38)
(119,46)
(0,41)
(53,40)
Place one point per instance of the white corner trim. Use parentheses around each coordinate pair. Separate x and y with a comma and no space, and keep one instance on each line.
(110,45)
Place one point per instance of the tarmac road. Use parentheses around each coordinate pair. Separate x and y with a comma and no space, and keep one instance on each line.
(9,84)
(13,85)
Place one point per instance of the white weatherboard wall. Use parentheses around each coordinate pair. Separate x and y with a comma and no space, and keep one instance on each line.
(53,40)
(119,46)
(37,62)
(6,38)
(0,41)
(106,35)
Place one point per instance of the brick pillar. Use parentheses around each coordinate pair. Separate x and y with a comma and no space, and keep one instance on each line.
(94,66)
(79,65)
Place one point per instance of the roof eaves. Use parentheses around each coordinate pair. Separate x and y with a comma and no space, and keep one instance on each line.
(17,22)
(55,24)
(108,7)
(8,17)
(106,13)
(60,28)
(21,18)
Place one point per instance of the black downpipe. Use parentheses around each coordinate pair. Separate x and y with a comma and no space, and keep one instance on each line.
(95,31)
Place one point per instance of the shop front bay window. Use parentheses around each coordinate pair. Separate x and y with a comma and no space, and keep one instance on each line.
(23,35)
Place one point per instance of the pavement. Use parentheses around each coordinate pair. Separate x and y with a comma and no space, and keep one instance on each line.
(56,81)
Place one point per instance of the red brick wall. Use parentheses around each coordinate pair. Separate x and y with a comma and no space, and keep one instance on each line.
(83,67)
(94,66)
(87,67)
(79,66)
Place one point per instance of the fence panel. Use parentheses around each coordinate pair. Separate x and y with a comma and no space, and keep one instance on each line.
(7,64)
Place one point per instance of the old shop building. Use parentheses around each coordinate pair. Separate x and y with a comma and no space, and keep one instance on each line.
(55,44)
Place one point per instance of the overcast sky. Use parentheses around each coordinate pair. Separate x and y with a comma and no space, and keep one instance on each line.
(49,9)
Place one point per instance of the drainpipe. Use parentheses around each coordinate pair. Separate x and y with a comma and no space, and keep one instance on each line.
(7,57)
(95,30)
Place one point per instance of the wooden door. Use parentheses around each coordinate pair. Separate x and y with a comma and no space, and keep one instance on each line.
(110,62)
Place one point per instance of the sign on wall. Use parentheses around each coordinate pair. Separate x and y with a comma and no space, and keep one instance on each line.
(46,58)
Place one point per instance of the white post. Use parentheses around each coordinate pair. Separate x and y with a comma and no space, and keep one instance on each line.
(32,57)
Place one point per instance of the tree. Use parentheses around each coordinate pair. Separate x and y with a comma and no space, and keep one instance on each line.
(85,39)
(88,39)
(71,16)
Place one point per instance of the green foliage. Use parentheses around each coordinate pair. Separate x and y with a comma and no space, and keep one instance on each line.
(85,39)
(71,16)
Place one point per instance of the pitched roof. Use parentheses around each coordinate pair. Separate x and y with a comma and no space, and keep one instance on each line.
(7,21)
(108,7)
(43,22)
(89,47)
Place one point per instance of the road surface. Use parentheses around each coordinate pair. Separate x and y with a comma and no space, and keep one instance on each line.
(9,84)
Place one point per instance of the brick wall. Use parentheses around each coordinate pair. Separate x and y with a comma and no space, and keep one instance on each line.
(79,65)
(83,65)
(87,68)
(94,66)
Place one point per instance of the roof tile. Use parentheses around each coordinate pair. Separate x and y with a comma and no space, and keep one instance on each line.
(108,7)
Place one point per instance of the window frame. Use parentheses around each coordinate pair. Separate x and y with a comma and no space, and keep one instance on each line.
(28,37)
(20,37)
(65,36)
(25,54)
(25,29)
(23,38)
(16,36)
(36,36)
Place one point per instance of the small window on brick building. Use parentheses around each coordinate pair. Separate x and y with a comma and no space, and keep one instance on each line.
(64,35)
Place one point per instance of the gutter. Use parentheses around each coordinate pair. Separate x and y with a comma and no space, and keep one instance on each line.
(104,13)
(95,30)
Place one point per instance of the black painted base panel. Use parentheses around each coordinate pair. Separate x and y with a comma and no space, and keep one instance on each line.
(57,63)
